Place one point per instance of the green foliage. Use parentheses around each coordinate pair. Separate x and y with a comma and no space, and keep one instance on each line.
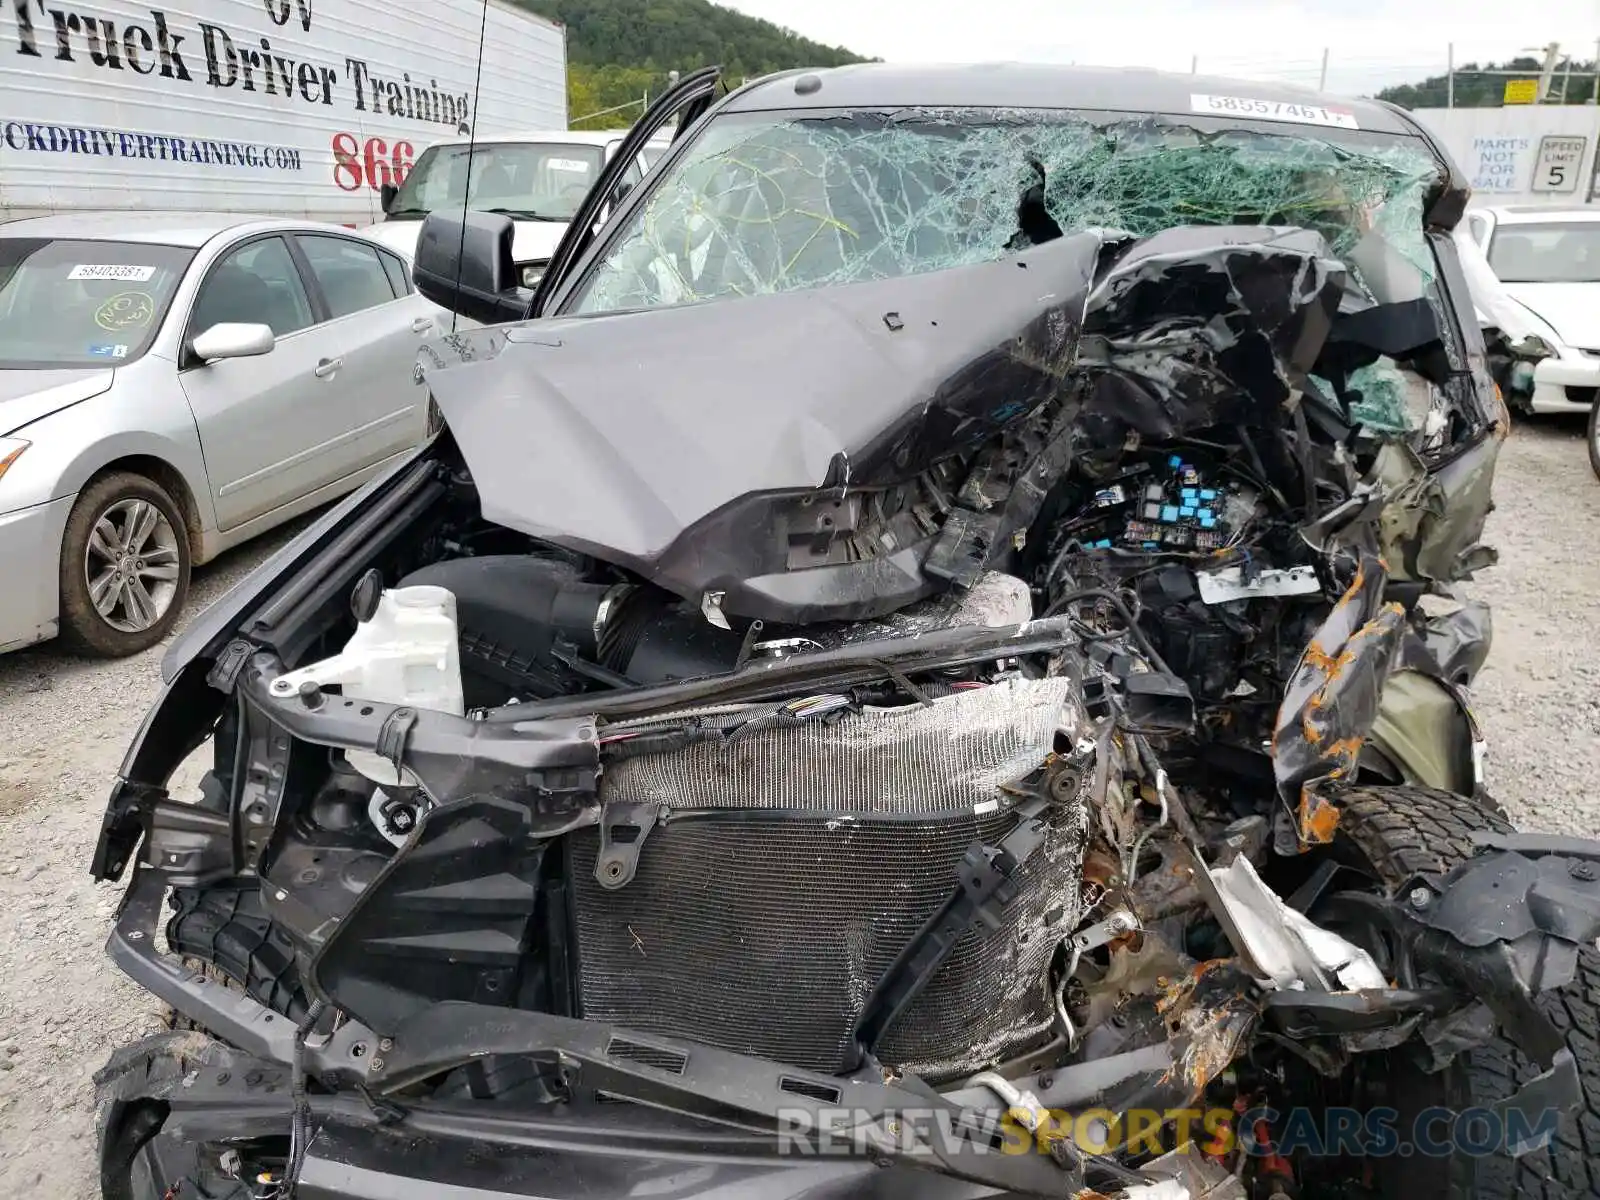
(1475,90)
(619,89)
(619,50)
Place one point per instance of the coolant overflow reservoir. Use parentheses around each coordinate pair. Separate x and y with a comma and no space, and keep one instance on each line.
(406,653)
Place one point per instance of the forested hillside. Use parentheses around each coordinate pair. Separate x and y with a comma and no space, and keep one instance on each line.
(620,50)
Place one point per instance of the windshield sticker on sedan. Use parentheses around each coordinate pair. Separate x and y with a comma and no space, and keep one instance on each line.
(127,272)
(108,350)
(1273,110)
(569,164)
(125,310)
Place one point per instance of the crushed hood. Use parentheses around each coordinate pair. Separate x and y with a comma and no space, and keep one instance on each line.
(695,416)
(682,410)
(29,396)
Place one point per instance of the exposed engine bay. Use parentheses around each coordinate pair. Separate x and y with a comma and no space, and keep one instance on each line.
(982,710)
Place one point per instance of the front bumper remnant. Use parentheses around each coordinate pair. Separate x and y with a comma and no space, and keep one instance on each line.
(729,1112)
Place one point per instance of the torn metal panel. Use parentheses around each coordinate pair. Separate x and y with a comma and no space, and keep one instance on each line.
(1433,518)
(1332,699)
(1280,946)
(1194,328)
(1448,544)
(1210,1011)
(1457,636)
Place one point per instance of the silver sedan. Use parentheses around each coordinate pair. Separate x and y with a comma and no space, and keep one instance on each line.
(174,384)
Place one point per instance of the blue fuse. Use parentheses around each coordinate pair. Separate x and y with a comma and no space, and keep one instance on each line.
(1175,461)
(1188,493)
(1206,514)
(1186,511)
(1208,493)
(1207,521)
(1169,512)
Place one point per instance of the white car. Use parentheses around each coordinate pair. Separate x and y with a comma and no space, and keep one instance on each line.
(1534,273)
(537,179)
(173,384)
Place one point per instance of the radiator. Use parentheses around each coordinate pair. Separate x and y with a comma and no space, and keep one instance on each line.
(794,864)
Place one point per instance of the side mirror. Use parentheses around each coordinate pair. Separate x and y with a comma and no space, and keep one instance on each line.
(229,340)
(464,263)
(386,195)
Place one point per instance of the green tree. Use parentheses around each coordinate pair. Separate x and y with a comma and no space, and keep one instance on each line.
(1473,89)
(619,50)
(613,92)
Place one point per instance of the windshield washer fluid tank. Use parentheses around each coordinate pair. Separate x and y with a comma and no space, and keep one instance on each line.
(407,653)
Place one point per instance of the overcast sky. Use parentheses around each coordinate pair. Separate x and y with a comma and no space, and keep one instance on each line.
(1370,42)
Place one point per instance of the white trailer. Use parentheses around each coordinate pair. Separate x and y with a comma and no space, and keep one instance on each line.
(288,107)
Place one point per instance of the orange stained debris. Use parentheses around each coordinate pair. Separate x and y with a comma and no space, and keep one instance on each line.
(1318,820)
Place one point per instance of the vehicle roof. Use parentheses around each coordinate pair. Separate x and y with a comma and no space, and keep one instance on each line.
(575,137)
(1035,85)
(191,229)
(1539,214)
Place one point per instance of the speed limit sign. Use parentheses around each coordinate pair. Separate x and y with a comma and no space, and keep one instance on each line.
(1559,161)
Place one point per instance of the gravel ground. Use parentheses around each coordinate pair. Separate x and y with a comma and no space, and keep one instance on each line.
(64,725)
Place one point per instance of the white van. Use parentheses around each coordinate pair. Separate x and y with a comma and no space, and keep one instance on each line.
(536,179)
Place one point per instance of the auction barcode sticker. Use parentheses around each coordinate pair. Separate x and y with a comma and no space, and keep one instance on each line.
(569,164)
(1273,110)
(120,271)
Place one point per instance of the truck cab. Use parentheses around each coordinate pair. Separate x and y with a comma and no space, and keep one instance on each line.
(538,179)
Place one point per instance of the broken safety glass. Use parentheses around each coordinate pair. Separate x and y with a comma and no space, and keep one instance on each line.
(766,203)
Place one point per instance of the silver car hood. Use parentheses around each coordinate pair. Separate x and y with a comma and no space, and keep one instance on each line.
(27,396)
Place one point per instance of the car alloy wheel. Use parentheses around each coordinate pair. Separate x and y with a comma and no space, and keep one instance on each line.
(131,565)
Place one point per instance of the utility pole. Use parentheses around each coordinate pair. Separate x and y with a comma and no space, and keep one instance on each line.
(1552,55)
(1450,78)
(1194,65)
(1322,80)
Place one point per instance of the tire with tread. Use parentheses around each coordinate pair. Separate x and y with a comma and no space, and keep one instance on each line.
(226,933)
(1405,831)
(82,629)
(1593,438)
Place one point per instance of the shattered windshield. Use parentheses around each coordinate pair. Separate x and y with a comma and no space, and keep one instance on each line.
(773,202)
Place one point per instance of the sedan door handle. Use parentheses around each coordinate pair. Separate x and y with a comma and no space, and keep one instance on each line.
(327,367)
(422,325)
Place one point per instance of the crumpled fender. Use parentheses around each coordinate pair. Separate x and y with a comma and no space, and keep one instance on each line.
(1505,926)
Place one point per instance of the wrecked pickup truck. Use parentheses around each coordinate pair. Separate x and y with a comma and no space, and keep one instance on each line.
(928,668)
